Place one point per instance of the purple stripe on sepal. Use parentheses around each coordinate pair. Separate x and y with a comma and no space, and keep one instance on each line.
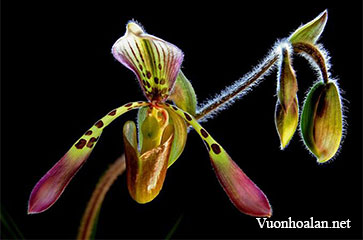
(242,192)
(51,186)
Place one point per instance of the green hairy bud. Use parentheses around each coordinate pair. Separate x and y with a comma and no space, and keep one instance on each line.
(321,121)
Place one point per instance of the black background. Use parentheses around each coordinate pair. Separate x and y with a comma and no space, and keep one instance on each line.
(59,77)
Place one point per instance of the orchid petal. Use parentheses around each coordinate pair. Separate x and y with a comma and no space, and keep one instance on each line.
(146,173)
(50,187)
(155,62)
(242,192)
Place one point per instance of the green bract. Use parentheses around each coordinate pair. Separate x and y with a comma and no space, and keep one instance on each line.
(183,94)
(311,31)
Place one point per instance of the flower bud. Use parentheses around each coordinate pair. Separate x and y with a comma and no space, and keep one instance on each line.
(287,110)
(286,121)
(321,121)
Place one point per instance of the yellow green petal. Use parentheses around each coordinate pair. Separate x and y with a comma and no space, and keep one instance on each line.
(50,187)
(242,192)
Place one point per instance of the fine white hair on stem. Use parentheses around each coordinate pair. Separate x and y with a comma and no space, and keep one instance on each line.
(313,64)
(221,101)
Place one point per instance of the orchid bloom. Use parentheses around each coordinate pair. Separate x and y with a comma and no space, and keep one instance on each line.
(162,132)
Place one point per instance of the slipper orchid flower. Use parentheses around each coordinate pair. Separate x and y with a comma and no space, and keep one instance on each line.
(159,138)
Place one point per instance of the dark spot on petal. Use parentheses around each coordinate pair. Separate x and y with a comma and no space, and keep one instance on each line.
(187,116)
(216,148)
(89,132)
(159,66)
(128,105)
(128,109)
(156,80)
(140,66)
(175,108)
(148,84)
(112,113)
(140,102)
(99,124)
(80,143)
(204,133)
(91,142)
(162,81)
(207,145)
(148,74)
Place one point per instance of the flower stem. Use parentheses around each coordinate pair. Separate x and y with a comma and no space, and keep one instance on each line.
(313,52)
(93,207)
(237,89)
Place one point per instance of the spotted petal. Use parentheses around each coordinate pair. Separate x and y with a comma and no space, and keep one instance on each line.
(243,193)
(155,62)
(49,188)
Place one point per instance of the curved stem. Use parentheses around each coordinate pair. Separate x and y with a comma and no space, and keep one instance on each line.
(95,203)
(313,52)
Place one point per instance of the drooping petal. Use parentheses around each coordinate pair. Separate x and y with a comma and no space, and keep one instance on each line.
(146,173)
(243,193)
(155,62)
(52,184)
(183,94)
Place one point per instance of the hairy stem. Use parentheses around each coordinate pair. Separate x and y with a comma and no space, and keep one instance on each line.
(238,88)
(315,54)
(95,203)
